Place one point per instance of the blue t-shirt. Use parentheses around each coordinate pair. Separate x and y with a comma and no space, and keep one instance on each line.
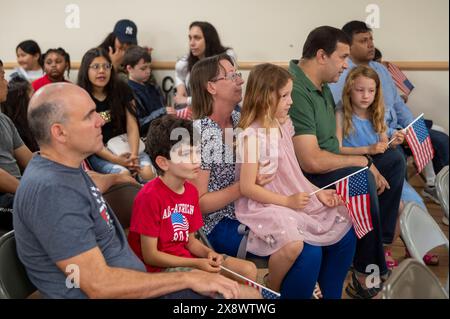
(362,134)
(59,213)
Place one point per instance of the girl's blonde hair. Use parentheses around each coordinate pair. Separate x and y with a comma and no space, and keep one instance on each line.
(376,109)
(260,102)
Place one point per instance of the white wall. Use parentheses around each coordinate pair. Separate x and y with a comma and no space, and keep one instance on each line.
(258,30)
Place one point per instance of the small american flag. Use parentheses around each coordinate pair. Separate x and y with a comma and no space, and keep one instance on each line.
(420,143)
(266,293)
(354,191)
(85,166)
(402,83)
(179,222)
(185,113)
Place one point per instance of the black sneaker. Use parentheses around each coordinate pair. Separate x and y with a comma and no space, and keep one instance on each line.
(356,291)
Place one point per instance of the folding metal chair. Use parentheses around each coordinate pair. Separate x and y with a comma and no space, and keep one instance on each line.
(442,190)
(413,280)
(420,232)
(14,282)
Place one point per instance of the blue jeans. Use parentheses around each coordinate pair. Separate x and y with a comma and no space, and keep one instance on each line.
(6,212)
(225,237)
(440,145)
(327,265)
(101,165)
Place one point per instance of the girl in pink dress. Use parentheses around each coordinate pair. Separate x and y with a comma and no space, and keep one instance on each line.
(282,215)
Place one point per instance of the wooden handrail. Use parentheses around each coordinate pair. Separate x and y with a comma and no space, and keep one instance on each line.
(248,65)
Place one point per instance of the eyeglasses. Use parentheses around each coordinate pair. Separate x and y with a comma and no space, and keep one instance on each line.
(234,76)
(97,66)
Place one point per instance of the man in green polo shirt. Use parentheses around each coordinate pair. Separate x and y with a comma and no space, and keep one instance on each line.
(317,148)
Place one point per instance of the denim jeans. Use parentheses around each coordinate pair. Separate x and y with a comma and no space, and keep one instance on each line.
(383,208)
(225,237)
(6,205)
(101,165)
(440,145)
(327,265)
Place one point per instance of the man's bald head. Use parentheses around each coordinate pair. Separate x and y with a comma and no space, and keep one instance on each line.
(50,105)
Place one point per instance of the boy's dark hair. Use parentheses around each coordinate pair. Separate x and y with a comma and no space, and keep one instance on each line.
(134,54)
(62,53)
(325,38)
(30,47)
(354,27)
(158,141)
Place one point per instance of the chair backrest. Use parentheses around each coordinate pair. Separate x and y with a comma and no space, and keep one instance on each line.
(121,198)
(413,280)
(442,189)
(419,231)
(14,282)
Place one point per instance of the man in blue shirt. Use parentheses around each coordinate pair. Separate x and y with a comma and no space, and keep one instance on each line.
(397,113)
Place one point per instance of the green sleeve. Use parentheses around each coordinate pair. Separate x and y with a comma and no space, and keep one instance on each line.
(302,114)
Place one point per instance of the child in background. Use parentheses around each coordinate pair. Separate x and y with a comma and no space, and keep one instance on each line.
(114,102)
(29,58)
(286,223)
(166,211)
(16,107)
(56,63)
(148,98)
(360,129)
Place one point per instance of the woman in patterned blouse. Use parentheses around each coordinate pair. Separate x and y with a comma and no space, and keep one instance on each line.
(216,90)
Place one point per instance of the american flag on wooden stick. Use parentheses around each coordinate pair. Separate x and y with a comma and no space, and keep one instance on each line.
(354,191)
(400,80)
(419,141)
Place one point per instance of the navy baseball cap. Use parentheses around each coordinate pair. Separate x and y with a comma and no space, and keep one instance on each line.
(126,31)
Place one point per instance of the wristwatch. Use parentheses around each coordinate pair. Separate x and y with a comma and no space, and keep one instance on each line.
(369,160)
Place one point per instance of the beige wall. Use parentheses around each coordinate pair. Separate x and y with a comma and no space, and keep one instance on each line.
(258,30)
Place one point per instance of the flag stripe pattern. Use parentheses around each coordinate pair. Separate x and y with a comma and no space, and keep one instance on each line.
(420,143)
(354,191)
(179,222)
(265,292)
(400,79)
(185,113)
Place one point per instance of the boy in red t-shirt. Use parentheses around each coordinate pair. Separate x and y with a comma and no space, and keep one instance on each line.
(166,211)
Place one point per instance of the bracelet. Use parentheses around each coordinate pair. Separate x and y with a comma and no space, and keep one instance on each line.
(369,160)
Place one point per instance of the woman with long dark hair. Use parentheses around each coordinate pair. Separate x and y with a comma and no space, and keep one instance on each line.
(16,107)
(204,42)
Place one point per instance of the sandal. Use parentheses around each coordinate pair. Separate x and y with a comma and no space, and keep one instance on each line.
(356,291)
(390,264)
(429,259)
